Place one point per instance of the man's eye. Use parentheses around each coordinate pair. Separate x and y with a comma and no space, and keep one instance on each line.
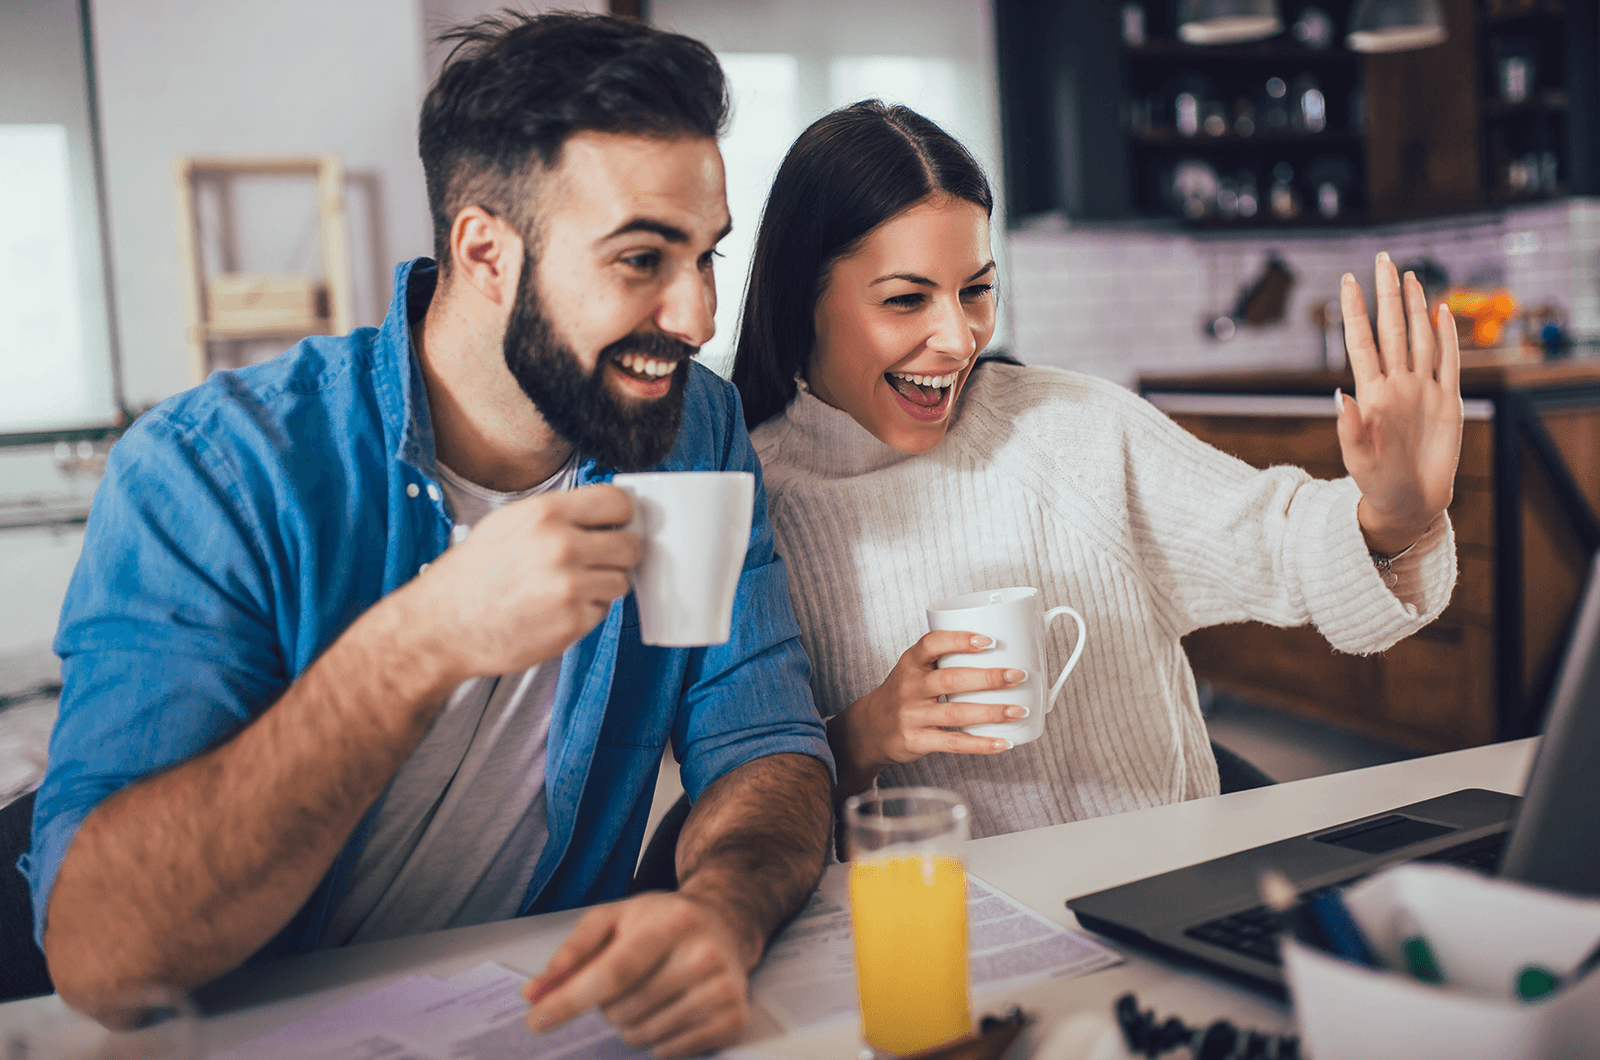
(977,290)
(709,258)
(646,261)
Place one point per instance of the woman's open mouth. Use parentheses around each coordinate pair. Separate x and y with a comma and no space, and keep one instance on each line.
(923,397)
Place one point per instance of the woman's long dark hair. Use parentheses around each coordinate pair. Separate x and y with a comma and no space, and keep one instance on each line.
(848,173)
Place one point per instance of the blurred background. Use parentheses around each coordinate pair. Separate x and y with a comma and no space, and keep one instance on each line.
(189,186)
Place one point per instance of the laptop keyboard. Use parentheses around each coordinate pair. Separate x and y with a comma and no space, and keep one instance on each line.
(1480,854)
(1254,932)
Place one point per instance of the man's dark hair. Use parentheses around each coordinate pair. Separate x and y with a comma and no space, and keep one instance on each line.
(516,86)
(848,173)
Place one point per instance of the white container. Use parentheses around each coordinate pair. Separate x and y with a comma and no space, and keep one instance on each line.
(1483,932)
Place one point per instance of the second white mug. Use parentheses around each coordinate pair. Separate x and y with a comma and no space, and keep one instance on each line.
(1015,620)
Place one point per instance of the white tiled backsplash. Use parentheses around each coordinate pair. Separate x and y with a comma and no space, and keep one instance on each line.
(1118,301)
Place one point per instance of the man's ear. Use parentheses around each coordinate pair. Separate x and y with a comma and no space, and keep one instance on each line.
(487,254)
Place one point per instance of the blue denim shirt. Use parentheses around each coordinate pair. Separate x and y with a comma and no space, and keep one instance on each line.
(243,525)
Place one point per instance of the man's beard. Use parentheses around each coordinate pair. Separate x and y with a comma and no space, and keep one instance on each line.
(618,433)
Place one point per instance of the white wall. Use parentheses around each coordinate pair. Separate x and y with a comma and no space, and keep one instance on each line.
(228,77)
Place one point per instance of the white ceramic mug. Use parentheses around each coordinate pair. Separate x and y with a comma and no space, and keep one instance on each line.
(696,529)
(1015,620)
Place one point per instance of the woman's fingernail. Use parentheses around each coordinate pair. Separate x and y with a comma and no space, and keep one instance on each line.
(1338,400)
(1016,712)
(1003,745)
(1016,676)
(981,642)
(1383,256)
(1348,277)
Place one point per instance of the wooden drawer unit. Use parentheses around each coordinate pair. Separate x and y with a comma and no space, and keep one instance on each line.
(1526,492)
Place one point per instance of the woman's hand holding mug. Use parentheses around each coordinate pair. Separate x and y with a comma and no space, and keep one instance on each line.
(903,719)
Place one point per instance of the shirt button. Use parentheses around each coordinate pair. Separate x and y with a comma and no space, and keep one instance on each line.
(433,492)
(422,568)
(412,491)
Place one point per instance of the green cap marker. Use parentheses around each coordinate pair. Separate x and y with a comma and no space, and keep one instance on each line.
(1419,959)
(1535,983)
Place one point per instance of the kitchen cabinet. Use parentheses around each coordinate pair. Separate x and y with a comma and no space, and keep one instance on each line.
(1540,91)
(1106,115)
(1526,497)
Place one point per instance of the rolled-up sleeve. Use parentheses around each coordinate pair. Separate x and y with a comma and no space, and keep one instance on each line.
(751,697)
(164,638)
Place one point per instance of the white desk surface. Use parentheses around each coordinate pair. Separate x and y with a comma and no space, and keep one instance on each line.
(1041,868)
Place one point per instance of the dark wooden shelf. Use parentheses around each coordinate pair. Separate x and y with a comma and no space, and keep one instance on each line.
(1308,221)
(1275,50)
(1549,101)
(1507,197)
(1169,137)
(1538,9)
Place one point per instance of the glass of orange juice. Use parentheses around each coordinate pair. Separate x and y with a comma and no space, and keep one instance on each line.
(908,908)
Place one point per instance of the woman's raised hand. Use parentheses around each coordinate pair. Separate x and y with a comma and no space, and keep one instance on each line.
(902,719)
(1401,436)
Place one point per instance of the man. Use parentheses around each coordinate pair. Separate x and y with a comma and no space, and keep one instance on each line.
(281,727)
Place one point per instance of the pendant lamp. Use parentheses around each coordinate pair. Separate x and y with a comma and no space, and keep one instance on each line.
(1396,25)
(1227,21)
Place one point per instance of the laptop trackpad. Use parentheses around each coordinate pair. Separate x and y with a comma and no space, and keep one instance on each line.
(1384,834)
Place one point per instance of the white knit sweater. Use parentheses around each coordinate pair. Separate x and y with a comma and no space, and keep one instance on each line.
(1074,485)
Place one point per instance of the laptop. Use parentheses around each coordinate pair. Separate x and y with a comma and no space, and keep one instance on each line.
(1549,837)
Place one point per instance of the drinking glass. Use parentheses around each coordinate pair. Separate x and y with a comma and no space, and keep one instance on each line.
(908,907)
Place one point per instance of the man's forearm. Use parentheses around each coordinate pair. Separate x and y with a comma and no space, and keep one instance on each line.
(182,875)
(755,844)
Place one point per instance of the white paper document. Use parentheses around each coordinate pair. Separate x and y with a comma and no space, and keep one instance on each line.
(477,1015)
(808,976)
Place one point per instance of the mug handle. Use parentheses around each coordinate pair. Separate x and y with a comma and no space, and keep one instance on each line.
(1077,650)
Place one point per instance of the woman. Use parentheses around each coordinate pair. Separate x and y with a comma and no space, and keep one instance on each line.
(900,470)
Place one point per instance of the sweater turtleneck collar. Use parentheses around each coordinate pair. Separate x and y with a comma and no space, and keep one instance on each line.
(829,442)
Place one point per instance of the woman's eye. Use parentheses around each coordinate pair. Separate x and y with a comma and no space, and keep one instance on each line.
(906,301)
(977,290)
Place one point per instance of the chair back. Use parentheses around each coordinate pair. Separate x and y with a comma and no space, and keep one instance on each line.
(23,972)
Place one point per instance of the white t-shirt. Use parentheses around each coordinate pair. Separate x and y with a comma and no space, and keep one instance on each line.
(463,823)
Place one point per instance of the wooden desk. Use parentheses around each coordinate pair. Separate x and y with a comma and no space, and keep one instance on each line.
(1527,490)
(1041,868)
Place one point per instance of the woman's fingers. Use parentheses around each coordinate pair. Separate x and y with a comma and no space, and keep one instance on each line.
(927,651)
(1358,342)
(1391,315)
(955,680)
(1423,346)
(960,715)
(1449,352)
(929,741)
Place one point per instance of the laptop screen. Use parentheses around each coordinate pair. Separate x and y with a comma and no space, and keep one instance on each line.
(1556,840)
